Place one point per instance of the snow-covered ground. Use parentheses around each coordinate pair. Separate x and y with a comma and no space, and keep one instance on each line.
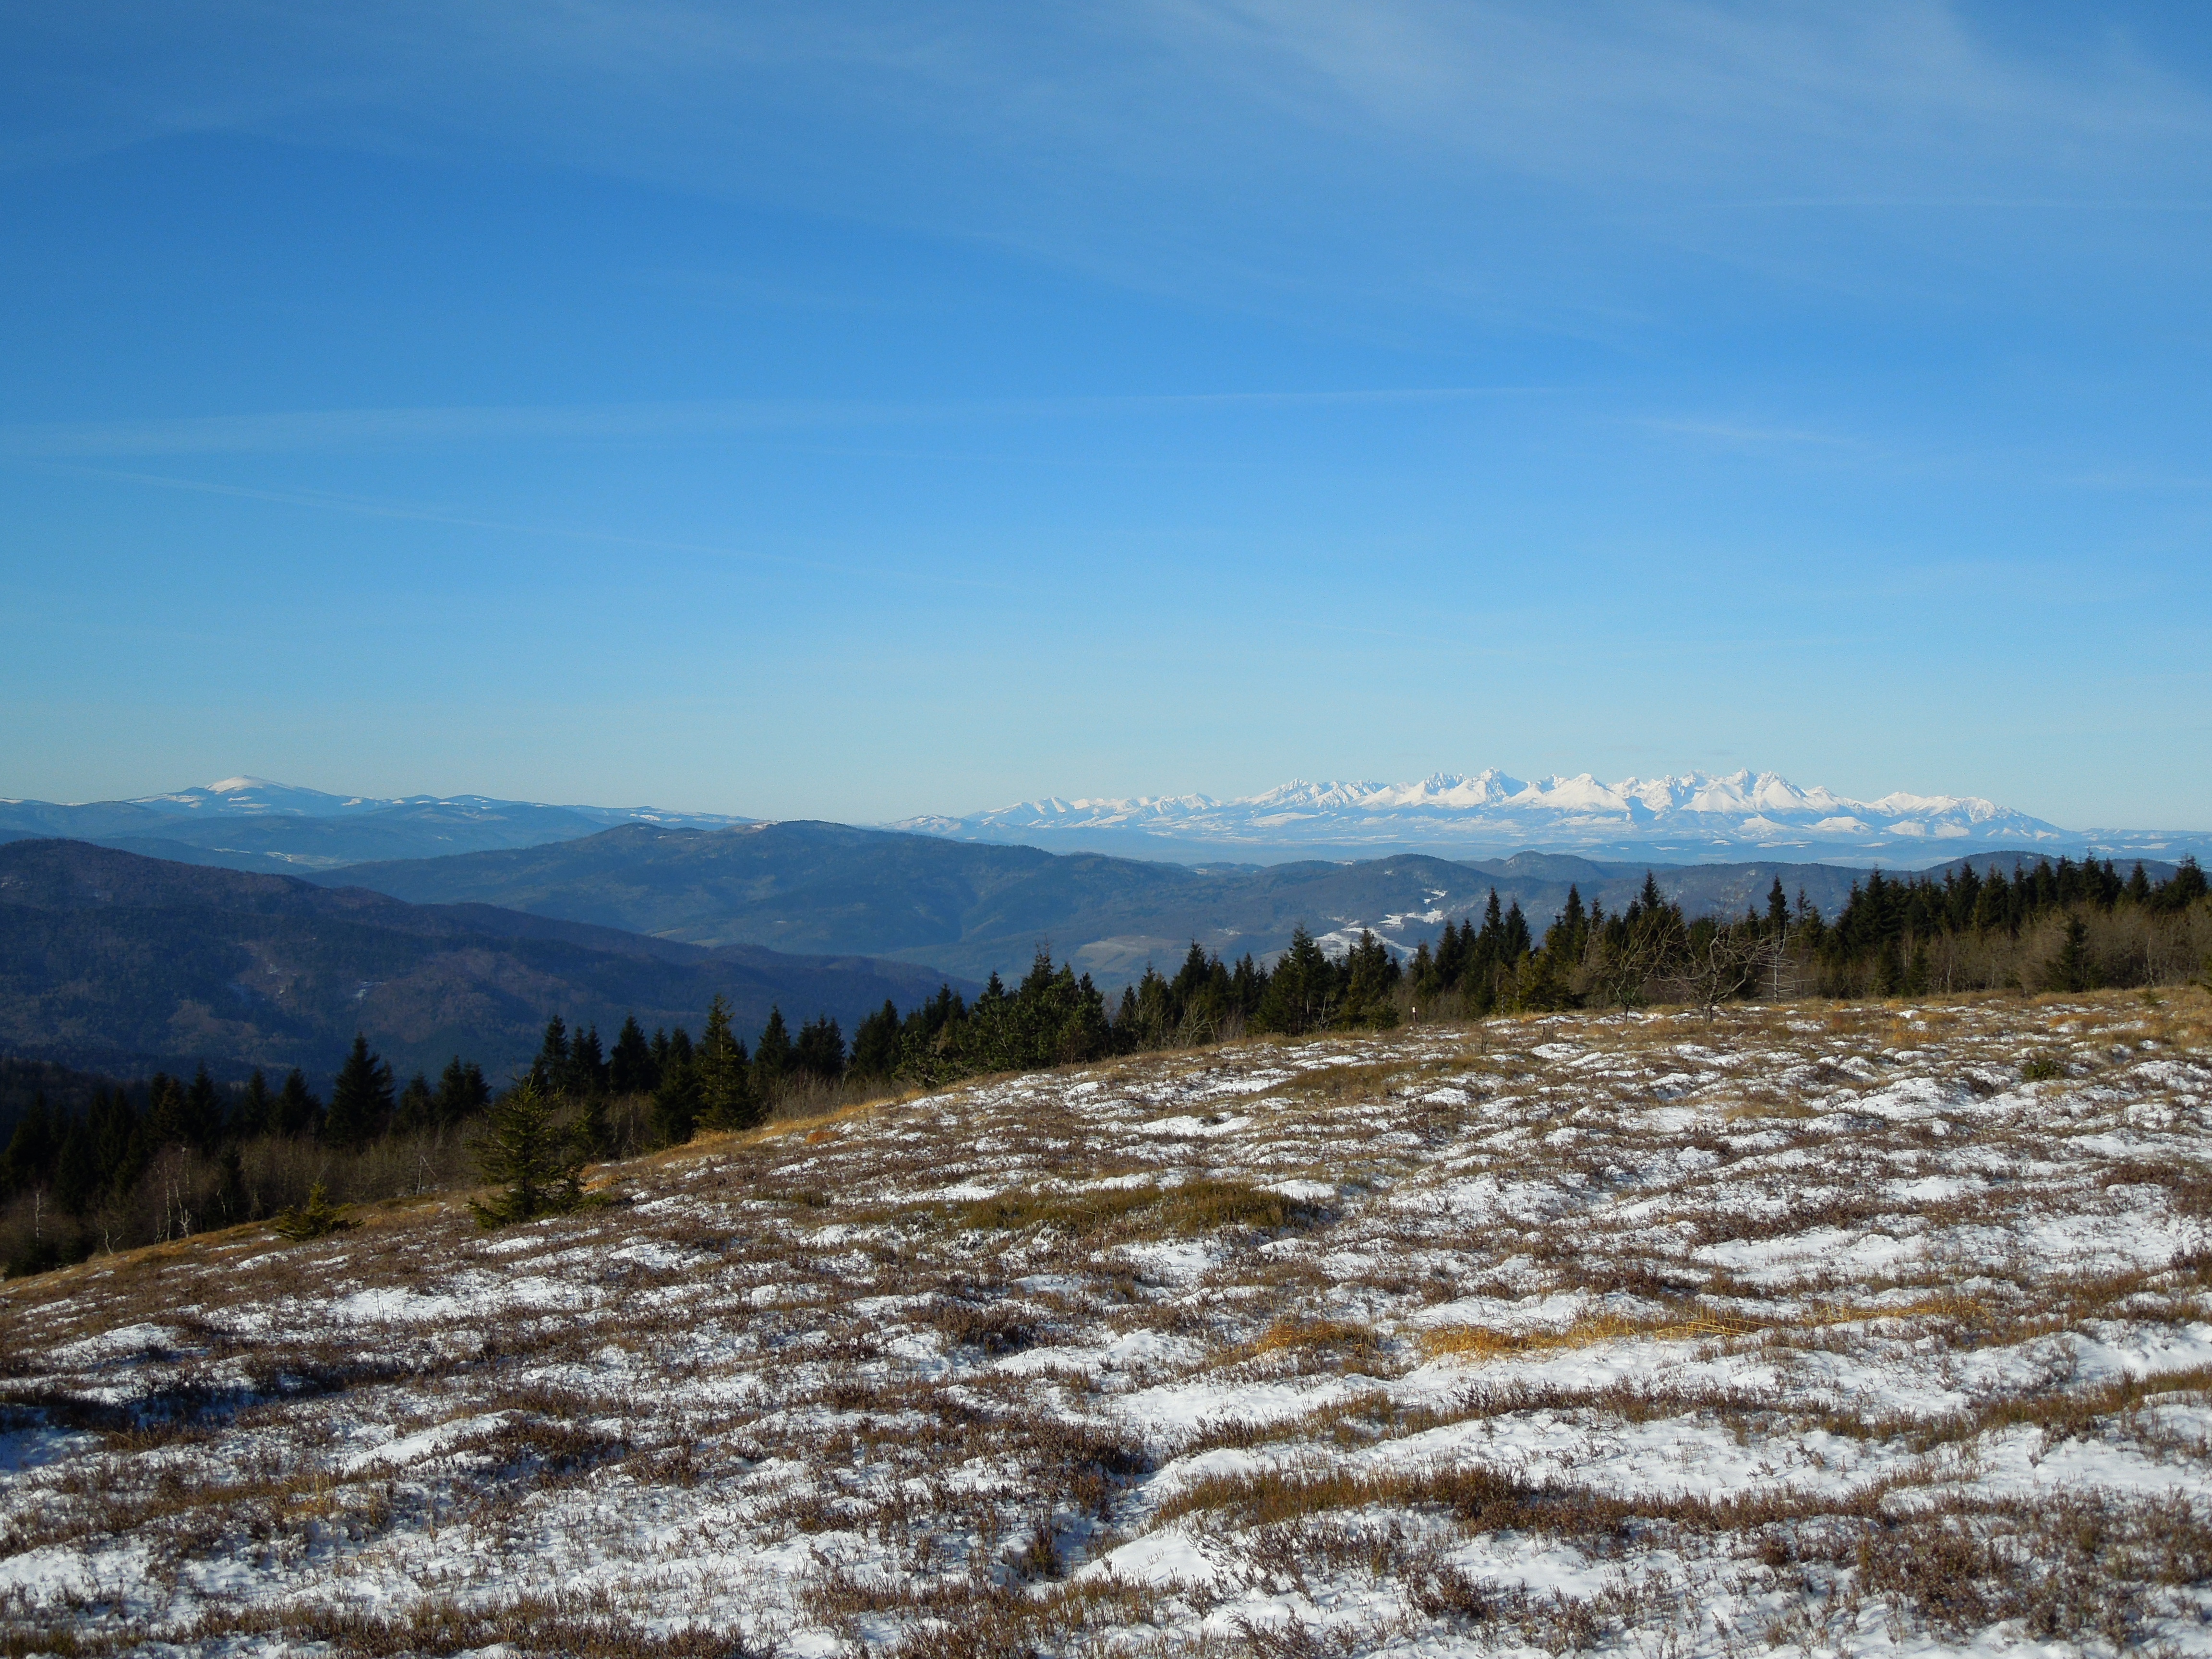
(1816,1328)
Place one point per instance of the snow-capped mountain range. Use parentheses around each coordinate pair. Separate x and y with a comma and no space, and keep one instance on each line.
(251,824)
(1693,816)
(259,798)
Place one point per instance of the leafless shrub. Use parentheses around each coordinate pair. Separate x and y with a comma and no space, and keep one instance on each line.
(555,1626)
(2069,1566)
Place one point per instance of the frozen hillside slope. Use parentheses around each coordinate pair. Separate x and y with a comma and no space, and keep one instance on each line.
(1822,1328)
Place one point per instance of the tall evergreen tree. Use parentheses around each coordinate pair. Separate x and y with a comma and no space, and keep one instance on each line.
(820,1049)
(631,1066)
(1518,940)
(1302,991)
(361,1098)
(120,1143)
(1452,951)
(549,1071)
(256,1110)
(168,1122)
(1370,978)
(298,1112)
(204,1113)
(725,1094)
(31,1149)
(2184,887)
(1421,971)
(462,1090)
(772,1054)
(587,1067)
(79,1178)
(676,1093)
(417,1110)
(876,1043)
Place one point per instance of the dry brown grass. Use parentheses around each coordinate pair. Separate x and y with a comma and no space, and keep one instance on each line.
(1200,1205)
(781,1336)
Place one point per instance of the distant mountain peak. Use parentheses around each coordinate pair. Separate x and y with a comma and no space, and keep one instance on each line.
(251,822)
(1695,813)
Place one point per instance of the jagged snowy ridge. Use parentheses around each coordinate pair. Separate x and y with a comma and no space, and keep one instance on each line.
(1741,808)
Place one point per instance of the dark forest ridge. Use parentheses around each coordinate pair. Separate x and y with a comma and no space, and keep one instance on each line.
(975,907)
(124,963)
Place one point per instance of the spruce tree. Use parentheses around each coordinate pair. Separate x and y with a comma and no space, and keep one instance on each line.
(1301,992)
(1486,959)
(876,1043)
(255,1111)
(30,1150)
(2185,886)
(361,1098)
(298,1112)
(462,1090)
(630,1067)
(587,1067)
(549,1071)
(772,1057)
(418,1108)
(1127,1020)
(676,1097)
(820,1051)
(2073,969)
(725,1095)
(1518,941)
(1370,978)
(594,1132)
(165,1121)
(1564,939)
(78,1177)
(204,1112)
(119,1141)
(317,1219)
(524,1151)
(1919,972)
(1451,954)
(1421,971)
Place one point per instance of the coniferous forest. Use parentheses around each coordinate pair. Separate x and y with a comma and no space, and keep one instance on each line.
(107,1165)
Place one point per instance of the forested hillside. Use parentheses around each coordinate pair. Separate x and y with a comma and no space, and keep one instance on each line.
(977,910)
(128,964)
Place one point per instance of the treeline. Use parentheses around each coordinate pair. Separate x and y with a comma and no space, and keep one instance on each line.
(137,1163)
(2049,926)
(140,1162)
(143,1163)
(2062,926)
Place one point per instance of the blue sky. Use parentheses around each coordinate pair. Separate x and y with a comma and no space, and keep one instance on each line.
(851,411)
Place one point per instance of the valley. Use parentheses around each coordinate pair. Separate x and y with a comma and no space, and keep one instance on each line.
(976,908)
(122,963)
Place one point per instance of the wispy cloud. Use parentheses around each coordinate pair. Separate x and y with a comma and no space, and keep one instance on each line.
(1231,146)
(1743,431)
(369,508)
(380,429)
